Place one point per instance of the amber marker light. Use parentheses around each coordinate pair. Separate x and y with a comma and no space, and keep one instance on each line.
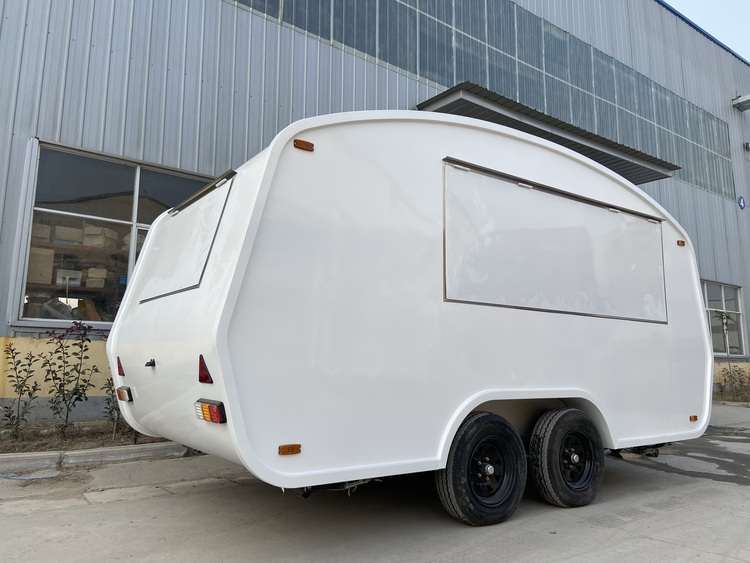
(304,145)
(693,418)
(680,243)
(290,449)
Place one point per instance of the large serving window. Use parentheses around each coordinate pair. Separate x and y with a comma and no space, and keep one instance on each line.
(509,244)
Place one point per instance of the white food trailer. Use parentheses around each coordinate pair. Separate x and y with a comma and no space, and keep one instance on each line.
(380,293)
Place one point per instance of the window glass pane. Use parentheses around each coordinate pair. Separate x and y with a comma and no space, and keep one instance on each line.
(582,108)
(398,35)
(645,97)
(647,136)
(627,128)
(501,26)
(558,99)
(270,7)
(713,296)
(139,245)
(77,268)
(730,299)
(604,76)
(529,38)
(159,191)
(502,77)
(81,184)
(733,333)
(470,60)
(470,18)
(435,51)
(606,119)
(667,151)
(354,24)
(440,9)
(625,81)
(531,87)
(555,51)
(580,64)
(717,333)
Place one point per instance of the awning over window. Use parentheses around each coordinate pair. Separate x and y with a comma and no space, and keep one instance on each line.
(470,100)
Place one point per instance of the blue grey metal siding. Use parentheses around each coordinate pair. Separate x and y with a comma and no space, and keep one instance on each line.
(198,85)
(202,85)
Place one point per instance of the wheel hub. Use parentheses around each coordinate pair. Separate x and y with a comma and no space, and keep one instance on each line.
(575,460)
(489,477)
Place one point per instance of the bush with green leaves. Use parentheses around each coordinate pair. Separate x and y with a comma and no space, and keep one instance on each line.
(25,389)
(67,370)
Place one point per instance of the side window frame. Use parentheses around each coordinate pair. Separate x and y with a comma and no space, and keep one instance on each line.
(723,314)
(22,244)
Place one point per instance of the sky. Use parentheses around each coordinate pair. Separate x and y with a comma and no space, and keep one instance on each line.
(727,20)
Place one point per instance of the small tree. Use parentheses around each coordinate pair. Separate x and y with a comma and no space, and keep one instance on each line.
(20,375)
(111,406)
(67,371)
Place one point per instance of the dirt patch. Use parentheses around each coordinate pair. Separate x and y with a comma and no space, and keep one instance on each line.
(44,437)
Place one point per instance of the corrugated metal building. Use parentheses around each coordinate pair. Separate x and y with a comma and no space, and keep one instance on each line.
(114,110)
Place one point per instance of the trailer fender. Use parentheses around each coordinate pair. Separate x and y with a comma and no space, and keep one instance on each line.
(493,401)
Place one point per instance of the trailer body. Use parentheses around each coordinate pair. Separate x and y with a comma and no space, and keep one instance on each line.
(367,282)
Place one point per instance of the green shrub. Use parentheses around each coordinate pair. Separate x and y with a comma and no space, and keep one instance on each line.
(67,371)
(20,375)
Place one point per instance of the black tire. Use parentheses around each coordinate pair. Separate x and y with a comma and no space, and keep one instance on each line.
(485,475)
(566,458)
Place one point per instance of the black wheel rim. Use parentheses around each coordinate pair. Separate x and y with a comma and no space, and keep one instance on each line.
(490,472)
(576,460)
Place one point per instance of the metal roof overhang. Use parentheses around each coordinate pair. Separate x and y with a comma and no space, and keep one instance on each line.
(471,100)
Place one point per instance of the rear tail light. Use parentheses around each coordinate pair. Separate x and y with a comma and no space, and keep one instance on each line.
(203,374)
(124,394)
(120,371)
(210,411)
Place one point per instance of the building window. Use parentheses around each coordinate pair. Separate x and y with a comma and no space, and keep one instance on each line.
(723,308)
(90,217)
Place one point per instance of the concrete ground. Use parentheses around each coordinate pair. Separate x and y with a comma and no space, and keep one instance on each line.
(691,503)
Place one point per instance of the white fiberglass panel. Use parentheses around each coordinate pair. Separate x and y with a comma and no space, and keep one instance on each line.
(181,245)
(512,245)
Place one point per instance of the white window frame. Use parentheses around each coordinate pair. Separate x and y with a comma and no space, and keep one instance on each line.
(724,314)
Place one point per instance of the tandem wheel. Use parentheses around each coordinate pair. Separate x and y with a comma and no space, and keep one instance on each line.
(566,458)
(485,475)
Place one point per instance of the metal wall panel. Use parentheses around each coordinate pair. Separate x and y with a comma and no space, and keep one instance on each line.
(645,36)
(119,75)
(137,84)
(242,90)
(157,76)
(175,83)
(192,84)
(11,154)
(202,85)
(255,116)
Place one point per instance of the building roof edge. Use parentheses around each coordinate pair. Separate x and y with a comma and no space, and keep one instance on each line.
(700,30)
